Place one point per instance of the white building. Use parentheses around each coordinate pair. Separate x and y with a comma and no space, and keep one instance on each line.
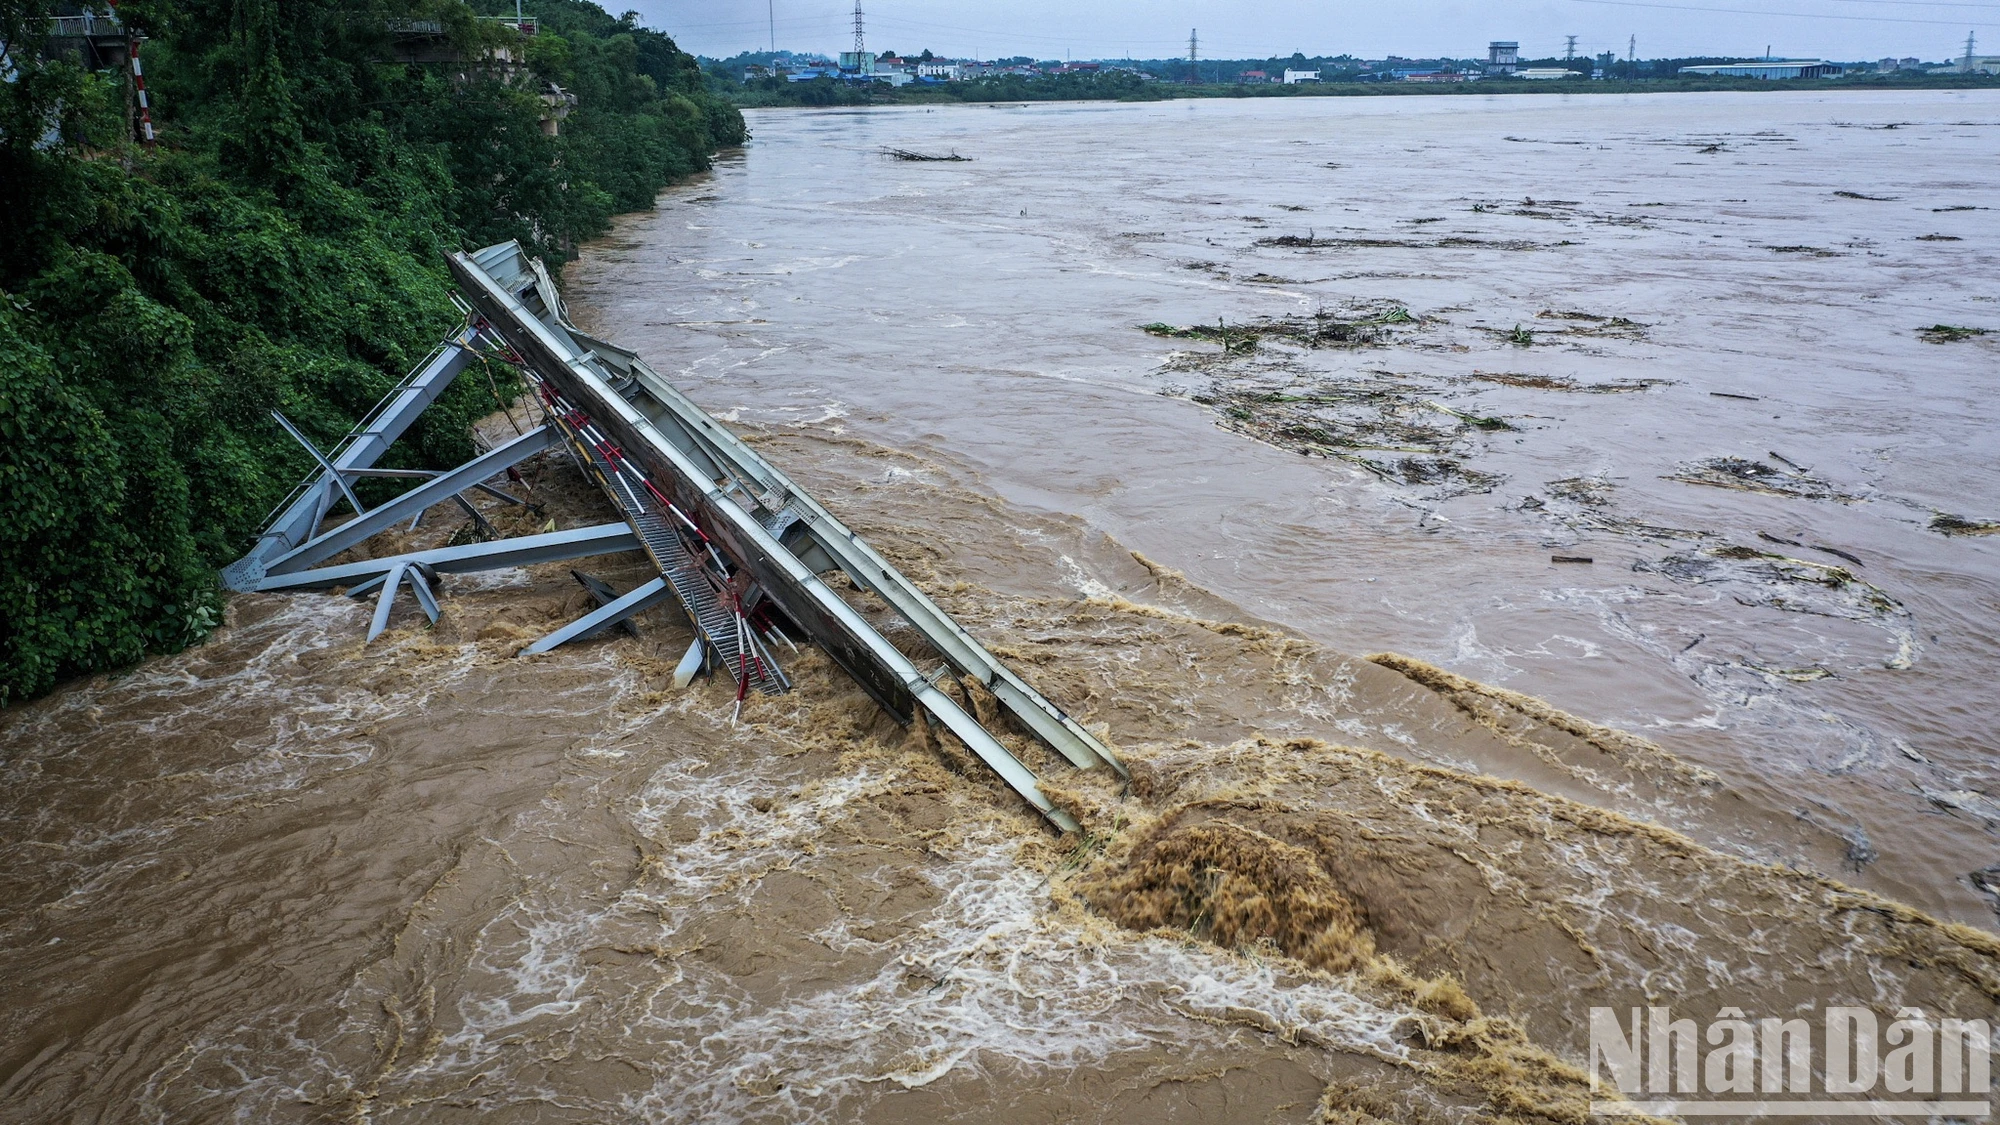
(1978,64)
(938,68)
(1545,73)
(1502,57)
(1294,77)
(1770,69)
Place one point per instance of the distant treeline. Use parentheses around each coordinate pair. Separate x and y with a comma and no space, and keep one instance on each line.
(1340,76)
(279,249)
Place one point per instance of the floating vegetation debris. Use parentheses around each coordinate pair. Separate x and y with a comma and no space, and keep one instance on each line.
(1949,333)
(1312,241)
(1584,504)
(1746,475)
(1593,491)
(1858,195)
(1520,337)
(1350,416)
(1559,383)
(1795,675)
(1939,238)
(1237,339)
(1591,324)
(1764,578)
(1353,329)
(1808,251)
(1959,525)
(1476,421)
(1444,476)
(908,154)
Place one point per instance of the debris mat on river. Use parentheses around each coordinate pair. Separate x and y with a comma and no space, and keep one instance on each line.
(1746,475)
(1949,333)
(1959,525)
(908,154)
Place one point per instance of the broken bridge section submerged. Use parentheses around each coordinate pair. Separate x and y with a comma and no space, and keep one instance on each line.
(740,546)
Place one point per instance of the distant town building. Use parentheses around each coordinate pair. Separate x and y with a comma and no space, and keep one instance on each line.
(1294,77)
(1502,57)
(1254,77)
(1544,73)
(938,69)
(858,62)
(1978,64)
(1770,69)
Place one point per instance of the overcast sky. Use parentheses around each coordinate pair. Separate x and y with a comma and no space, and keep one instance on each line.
(1836,29)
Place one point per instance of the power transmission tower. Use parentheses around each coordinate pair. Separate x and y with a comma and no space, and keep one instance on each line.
(1569,51)
(1631,54)
(1194,71)
(1969,43)
(858,47)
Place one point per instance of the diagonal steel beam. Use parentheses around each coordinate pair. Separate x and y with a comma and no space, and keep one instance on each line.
(325,465)
(301,515)
(439,488)
(522,550)
(605,616)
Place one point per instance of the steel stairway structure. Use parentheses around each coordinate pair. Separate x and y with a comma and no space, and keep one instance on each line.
(738,544)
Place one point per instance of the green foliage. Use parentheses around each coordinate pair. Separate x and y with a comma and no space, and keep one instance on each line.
(280,250)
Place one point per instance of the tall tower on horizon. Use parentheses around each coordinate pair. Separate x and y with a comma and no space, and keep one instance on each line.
(1194,68)
(859,47)
(1970,42)
(1569,50)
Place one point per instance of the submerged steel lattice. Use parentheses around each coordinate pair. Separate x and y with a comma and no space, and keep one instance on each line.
(739,546)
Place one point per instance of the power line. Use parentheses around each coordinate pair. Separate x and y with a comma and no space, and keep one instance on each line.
(1755,12)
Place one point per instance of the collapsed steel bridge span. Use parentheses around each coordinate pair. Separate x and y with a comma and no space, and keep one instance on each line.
(739,547)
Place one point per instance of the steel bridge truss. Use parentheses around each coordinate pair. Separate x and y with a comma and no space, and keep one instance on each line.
(738,546)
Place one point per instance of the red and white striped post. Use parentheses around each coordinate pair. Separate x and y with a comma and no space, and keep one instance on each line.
(138,82)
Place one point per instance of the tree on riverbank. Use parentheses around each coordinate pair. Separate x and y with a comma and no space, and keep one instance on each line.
(279,249)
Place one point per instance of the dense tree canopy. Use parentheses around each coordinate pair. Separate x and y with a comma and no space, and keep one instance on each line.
(281,248)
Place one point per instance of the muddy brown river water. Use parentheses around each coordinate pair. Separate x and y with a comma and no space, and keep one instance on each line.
(1404,352)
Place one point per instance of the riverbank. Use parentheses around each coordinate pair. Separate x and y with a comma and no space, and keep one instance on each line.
(275,243)
(1128,88)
